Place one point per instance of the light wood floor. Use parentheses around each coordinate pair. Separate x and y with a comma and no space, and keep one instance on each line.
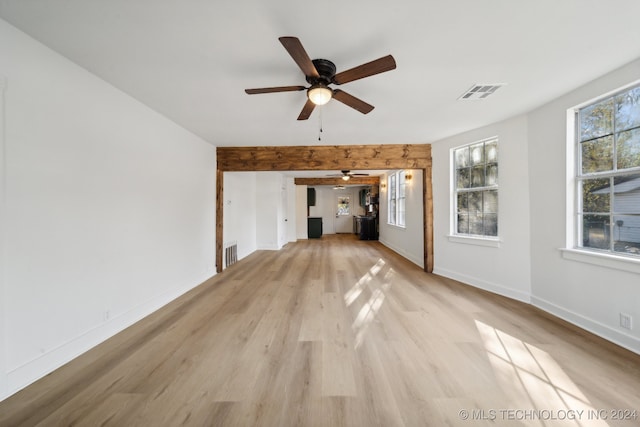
(337,332)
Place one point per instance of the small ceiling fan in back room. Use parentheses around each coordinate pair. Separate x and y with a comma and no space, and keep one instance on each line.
(347,174)
(320,73)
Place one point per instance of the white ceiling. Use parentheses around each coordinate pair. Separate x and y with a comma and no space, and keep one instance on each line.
(191,60)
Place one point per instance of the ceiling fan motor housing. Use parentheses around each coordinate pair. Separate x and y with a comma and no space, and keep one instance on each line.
(326,69)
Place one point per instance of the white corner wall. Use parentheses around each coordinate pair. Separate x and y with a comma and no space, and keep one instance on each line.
(108,211)
(407,241)
(240,211)
(271,204)
(588,295)
(506,269)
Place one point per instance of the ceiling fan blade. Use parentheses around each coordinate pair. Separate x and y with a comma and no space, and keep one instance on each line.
(274,89)
(347,173)
(297,52)
(352,101)
(306,110)
(380,65)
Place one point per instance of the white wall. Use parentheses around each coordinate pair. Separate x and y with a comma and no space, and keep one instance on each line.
(108,213)
(240,211)
(4,385)
(407,241)
(589,295)
(506,269)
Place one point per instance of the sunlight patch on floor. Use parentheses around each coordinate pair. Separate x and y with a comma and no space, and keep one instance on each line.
(532,379)
(369,310)
(352,294)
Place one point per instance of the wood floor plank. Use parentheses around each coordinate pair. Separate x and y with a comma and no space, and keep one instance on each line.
(116,410)
(313,313)
(337,345)
(335,332)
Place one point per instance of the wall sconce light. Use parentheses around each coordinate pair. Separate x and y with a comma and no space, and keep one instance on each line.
(408,176)
(383,185)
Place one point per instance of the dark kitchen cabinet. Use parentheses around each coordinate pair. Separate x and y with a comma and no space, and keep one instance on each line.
(311,197)
(314,227)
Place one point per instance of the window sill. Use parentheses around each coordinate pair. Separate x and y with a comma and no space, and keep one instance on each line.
(401,227)
(478,241)
(615,262)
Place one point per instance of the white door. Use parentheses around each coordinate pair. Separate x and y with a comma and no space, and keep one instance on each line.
(282,218)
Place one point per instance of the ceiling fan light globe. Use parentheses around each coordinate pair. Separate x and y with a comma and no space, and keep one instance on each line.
(319,94)
(346,177)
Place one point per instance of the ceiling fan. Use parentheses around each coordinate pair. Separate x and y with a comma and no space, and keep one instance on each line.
(320,73)
(347,174)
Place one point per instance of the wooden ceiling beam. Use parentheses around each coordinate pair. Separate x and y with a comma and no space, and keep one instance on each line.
(324,157)
(354,180)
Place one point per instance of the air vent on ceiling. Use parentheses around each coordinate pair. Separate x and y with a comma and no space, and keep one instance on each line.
(480,91)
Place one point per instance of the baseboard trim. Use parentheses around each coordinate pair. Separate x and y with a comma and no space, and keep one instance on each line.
(485,285)
(603,331)
(31,371)
(268,248)
(400,251)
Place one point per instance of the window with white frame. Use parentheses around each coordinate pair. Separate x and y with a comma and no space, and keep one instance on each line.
(608,174)
(396,196)
(475,168)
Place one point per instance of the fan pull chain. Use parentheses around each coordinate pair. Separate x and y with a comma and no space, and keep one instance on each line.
(320,132)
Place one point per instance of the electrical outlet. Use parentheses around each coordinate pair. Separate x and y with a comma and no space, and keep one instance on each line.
(626,321)
(106,315)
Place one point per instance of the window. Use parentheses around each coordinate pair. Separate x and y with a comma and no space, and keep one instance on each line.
(608,174)
(396,184)
(476,189)
(343,205)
